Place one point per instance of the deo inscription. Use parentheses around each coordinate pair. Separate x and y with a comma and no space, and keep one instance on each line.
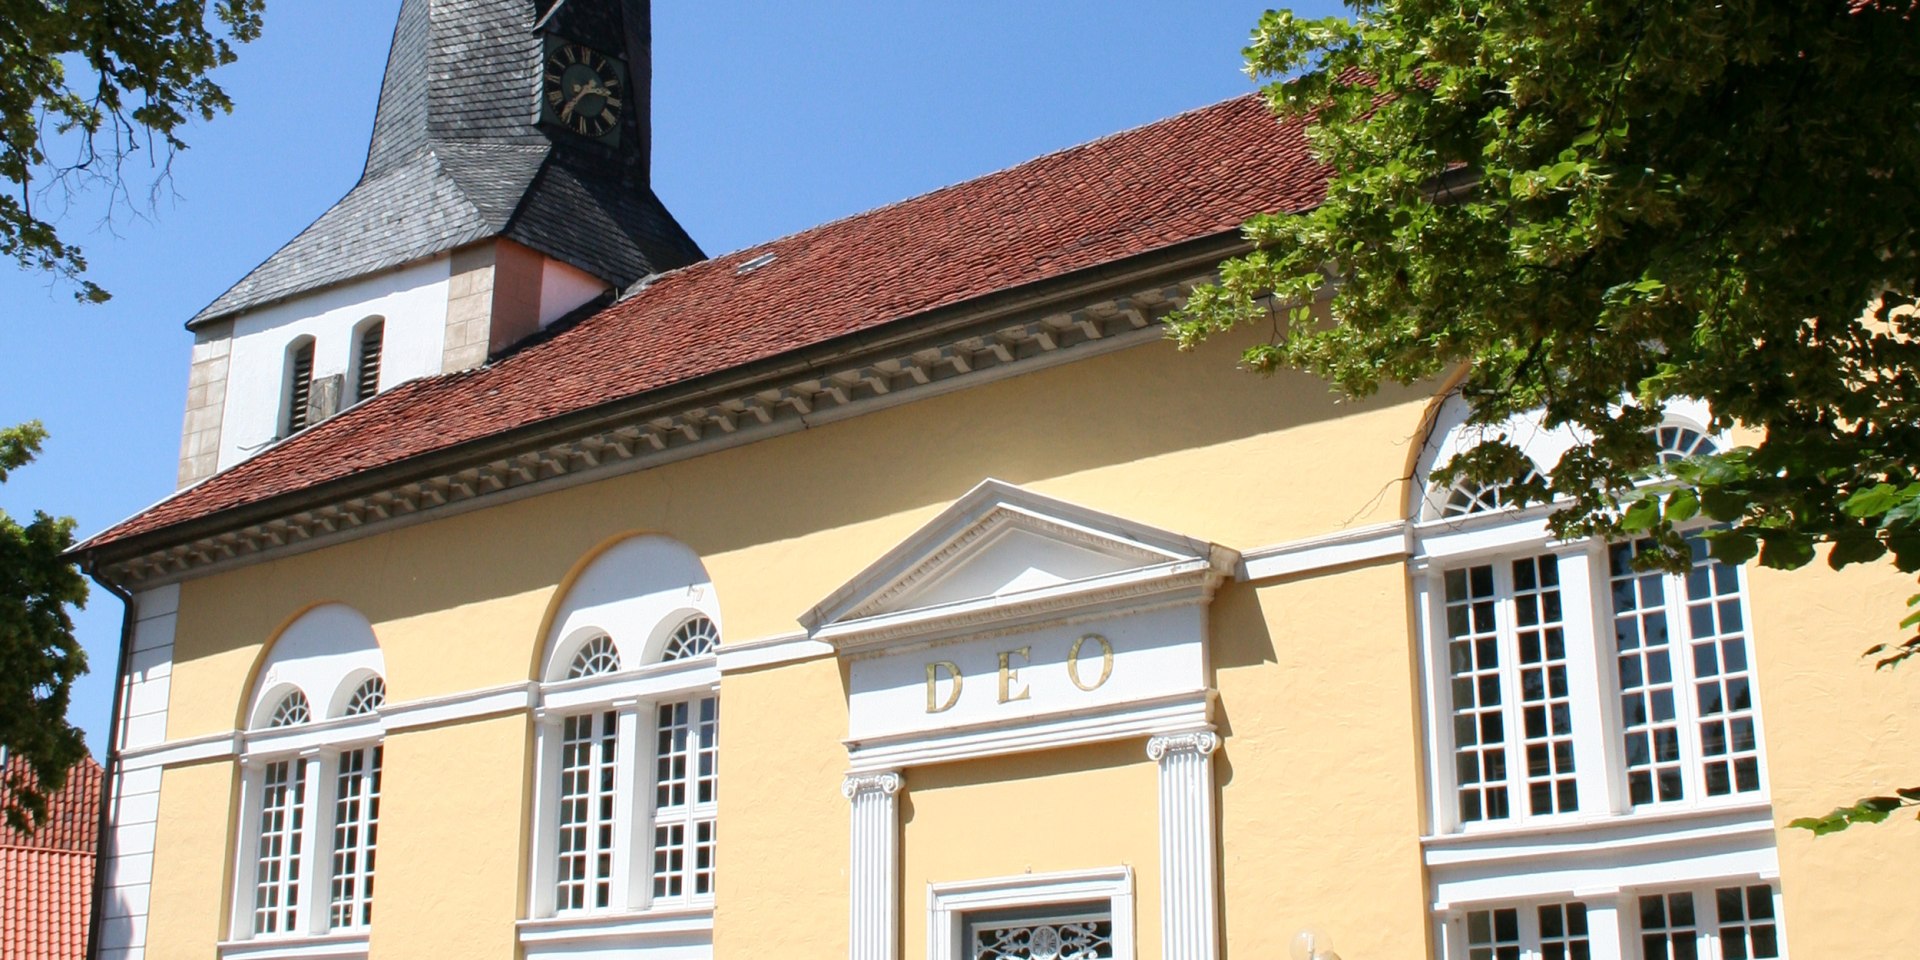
(945,679)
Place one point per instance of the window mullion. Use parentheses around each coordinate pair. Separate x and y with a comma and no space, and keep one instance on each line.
(1512,704)
(1431,594)
(626,780)
(311,915)
(1686,693)
(1594,730)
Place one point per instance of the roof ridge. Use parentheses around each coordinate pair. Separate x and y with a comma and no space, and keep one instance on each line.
(963,184)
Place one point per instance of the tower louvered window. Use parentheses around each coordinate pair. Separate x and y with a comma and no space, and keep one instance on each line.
(300,387)
(372,341)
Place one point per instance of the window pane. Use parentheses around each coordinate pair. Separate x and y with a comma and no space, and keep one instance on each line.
(1729,757)
(1644,656)
(1473,656)
(1547,709)
(276,890)
(1745,917)
(686,789)
(1667,928)
(356,822)
(1493,934)
(584,875)
(1563,931)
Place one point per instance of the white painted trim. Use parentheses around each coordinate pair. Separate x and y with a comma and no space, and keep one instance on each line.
(1178,581)
(214,746)
(1603,860)
(617,930)
(331,947)
(1359,545)
(653,682)
(466,705)
(771,651)
(1615,833)
(1127,721)
(949,903)
(1189,829)
(873,865)
(974,519)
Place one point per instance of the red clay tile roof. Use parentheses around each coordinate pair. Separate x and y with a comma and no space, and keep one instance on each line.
(1192,176)
(46,878)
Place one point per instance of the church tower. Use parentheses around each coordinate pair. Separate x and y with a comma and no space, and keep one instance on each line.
(506,186)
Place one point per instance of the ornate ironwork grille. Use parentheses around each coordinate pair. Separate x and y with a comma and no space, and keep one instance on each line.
(1080,935)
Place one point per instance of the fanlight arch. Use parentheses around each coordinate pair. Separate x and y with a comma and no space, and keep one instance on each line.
(629,598)
(1681,434)
(327,654)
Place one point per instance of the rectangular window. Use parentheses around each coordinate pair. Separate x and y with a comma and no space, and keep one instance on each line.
(1546,931)
(1683,660)
(356,827)
(1080,934)
(1505,633)
(686,784)
(588,746)
(299,387)
(1563,932)
(1746,925)
(1493,934)
(276,888)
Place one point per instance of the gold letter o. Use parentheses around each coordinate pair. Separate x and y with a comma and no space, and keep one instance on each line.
(1106,661)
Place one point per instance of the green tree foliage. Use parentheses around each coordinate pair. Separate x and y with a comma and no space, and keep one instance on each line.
(1593,207)
(39,657)
(104,79)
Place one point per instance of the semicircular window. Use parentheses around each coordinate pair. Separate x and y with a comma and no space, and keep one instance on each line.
(1679,443)
(695,638)
(1467,499)
(370,696)
(293,710)
(596,656)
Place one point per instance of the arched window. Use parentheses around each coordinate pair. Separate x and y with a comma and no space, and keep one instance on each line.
(1678,442)
(307,846)
(630,743)
(1466,499)
(697,637)
(366,362)
(299,391)
(595,657)
(368,697)
(292,710)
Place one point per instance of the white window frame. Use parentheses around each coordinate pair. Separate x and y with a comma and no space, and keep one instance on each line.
(1600,754)
(317,747)
(1614,927)
(1705,912)
(633,917)
(950,904)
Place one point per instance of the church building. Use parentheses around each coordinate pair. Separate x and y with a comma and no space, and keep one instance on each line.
(539,587)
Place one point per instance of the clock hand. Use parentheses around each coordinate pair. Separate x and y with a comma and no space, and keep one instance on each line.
(580,90)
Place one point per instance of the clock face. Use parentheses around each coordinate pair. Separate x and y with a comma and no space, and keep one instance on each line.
(583,90)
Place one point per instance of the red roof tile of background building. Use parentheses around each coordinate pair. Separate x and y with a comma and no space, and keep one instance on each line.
(1192,176)
(46,877)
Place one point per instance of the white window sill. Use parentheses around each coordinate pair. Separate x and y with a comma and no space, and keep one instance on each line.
(332,946)
(667,926)
(1612,832)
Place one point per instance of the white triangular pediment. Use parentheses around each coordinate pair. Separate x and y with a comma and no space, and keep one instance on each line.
(1003,542)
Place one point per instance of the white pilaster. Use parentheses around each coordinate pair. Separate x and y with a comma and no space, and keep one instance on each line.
(1188,913)
(874,871)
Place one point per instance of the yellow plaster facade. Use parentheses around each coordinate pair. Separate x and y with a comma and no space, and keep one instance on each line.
(1319,783)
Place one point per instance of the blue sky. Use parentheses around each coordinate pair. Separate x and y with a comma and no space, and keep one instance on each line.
(768,118)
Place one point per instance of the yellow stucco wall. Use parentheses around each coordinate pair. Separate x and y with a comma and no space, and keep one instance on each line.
(192,858)
(1320,770)
(782,888)
(1837,730)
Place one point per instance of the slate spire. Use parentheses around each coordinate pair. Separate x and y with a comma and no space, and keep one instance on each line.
(457,156)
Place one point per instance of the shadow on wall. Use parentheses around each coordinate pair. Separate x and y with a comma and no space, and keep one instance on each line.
(1136,405)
